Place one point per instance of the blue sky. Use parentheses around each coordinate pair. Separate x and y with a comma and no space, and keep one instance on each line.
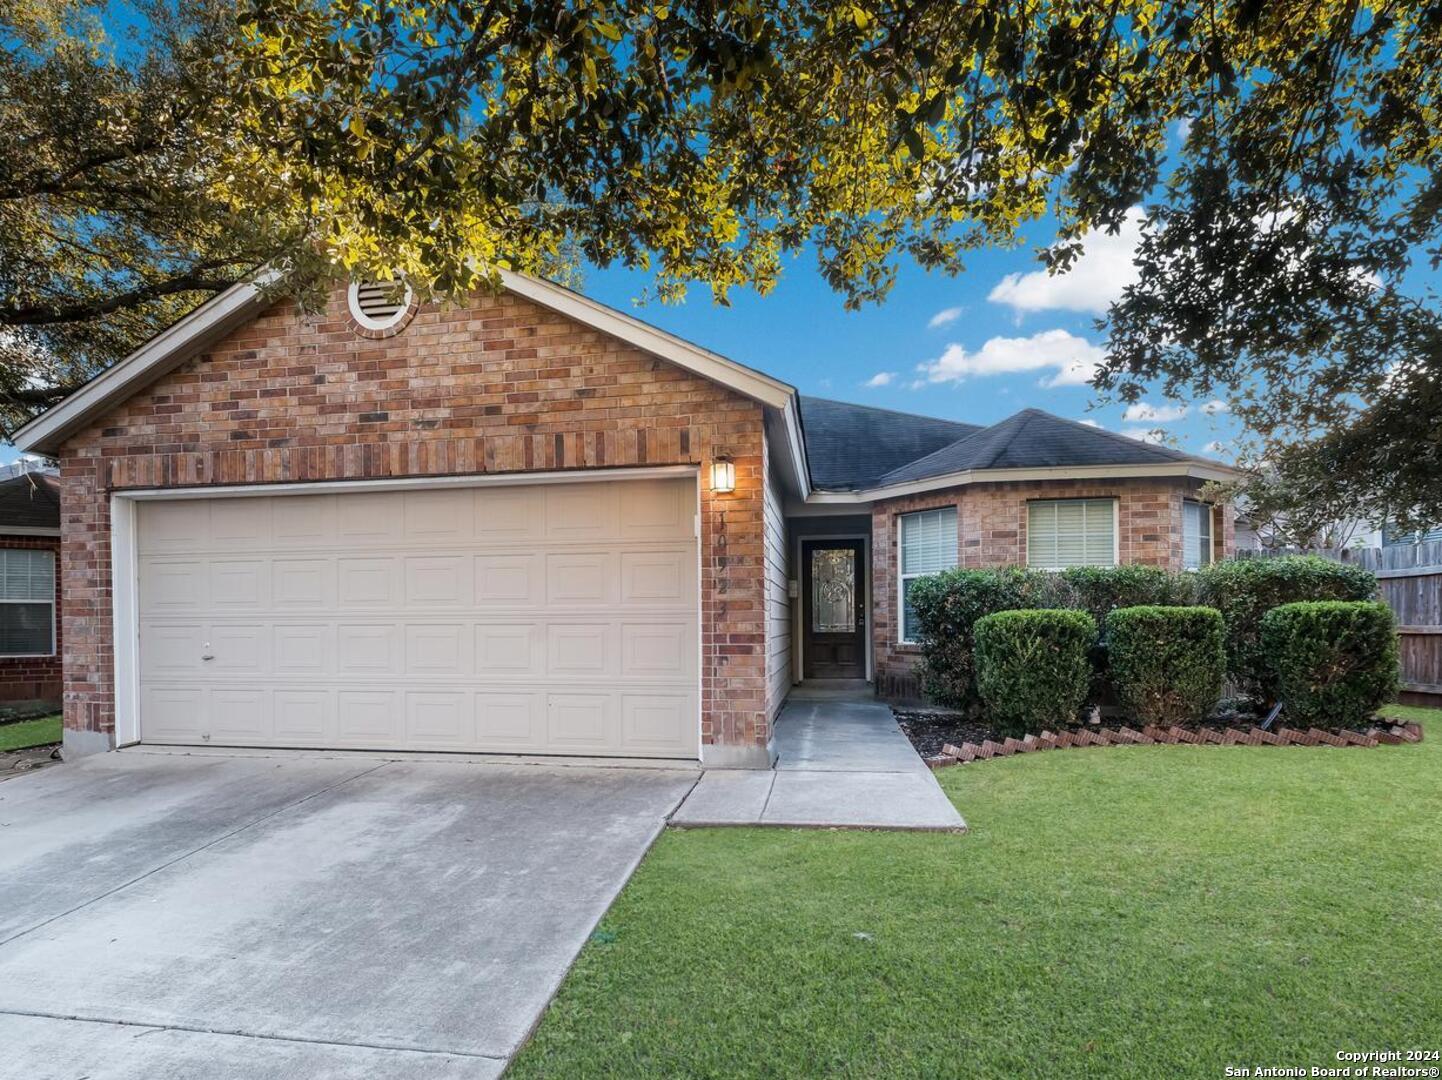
(977,347)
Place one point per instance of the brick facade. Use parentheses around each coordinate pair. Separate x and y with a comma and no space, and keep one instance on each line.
(499,385)
(991,531)
(34,678)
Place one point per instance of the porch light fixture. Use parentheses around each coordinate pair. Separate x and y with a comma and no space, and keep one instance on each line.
(723,475)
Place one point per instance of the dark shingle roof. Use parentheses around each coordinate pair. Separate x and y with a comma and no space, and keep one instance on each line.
(31,501)
(854,446)
(1033,439)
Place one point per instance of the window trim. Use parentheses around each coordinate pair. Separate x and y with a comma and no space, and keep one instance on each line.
(902,579)
(1209,509)
(1116,502)
(54,614)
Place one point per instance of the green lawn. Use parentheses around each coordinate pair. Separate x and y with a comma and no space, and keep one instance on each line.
(1143,912)
(27,733)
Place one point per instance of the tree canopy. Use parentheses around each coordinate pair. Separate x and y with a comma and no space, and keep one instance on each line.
(707,142)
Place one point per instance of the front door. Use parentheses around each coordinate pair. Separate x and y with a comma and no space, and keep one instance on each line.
(834,587)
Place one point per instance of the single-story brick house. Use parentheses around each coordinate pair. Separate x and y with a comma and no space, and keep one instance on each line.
(529,524)
(30,676)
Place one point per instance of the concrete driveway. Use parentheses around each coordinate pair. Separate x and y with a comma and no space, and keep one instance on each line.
(250,916)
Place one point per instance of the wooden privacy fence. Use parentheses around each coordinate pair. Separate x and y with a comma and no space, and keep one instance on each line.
(1409,578)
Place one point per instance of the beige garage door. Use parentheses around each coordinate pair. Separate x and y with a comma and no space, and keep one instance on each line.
(552,618)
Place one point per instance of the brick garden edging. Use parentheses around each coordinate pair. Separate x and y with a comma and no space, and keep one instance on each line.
(1125,736)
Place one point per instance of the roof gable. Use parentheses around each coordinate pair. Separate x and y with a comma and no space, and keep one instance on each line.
(243,302)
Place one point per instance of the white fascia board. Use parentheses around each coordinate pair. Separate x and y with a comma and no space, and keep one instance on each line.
(1196,470)
(164,352)
(682,353)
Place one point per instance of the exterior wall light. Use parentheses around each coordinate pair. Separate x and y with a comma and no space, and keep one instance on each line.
(723,475)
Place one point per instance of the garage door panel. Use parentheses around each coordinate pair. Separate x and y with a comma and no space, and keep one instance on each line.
(543,619)
(368,718)
(514,721)
(581,578)
(183,525)
(586,512)
(303,583)
(368,649)
(439,516)
(171,649)
(239,584)
(438,648)
(655,721)
(172,713)
(302,717)
(237,527)
(368,583)
(663,578)
(511,649)
(657,511)
(580,722)
(438,581)
(652,649)
(441,719)
(240,648)
(507,514)
(240,715)
(168,586)
(303,648)
(302,521)
(506,581)
(375,518)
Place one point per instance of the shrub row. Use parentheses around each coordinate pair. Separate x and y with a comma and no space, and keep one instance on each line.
(1335,663)
(948,606)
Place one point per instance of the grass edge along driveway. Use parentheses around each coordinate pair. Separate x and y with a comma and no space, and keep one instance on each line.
(23,734)
(1137,912)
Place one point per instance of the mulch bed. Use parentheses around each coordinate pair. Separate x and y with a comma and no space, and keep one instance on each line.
(947,738)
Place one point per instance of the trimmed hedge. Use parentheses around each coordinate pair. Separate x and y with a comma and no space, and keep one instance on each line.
(1166,663)
(1245,590)
(1335,661)
(1101,590)
(947,607)
(1032,669)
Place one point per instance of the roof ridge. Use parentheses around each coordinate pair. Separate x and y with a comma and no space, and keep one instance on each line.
(1117,436)
(893,412)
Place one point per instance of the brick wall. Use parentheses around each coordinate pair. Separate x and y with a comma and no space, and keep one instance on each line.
(991,531)
(499,385)
(33,678)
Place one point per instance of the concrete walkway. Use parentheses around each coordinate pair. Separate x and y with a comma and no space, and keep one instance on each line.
(841,762)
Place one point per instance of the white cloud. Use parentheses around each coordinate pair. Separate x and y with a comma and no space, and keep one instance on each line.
(1089,423)
(1072,359)
(1151,435)
(881,378)
(1095,279)
(1215,406)
(1214,447)
(1144,412)
(1183,129)
(944,316)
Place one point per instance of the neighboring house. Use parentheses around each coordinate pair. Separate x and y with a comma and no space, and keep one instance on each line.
(29,591)
(532,524)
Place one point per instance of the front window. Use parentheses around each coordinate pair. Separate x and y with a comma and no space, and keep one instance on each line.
(927,546)
(27,603)
(1071,532)
(1196,534)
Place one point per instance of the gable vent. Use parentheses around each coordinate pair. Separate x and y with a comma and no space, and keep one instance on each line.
(379,305)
